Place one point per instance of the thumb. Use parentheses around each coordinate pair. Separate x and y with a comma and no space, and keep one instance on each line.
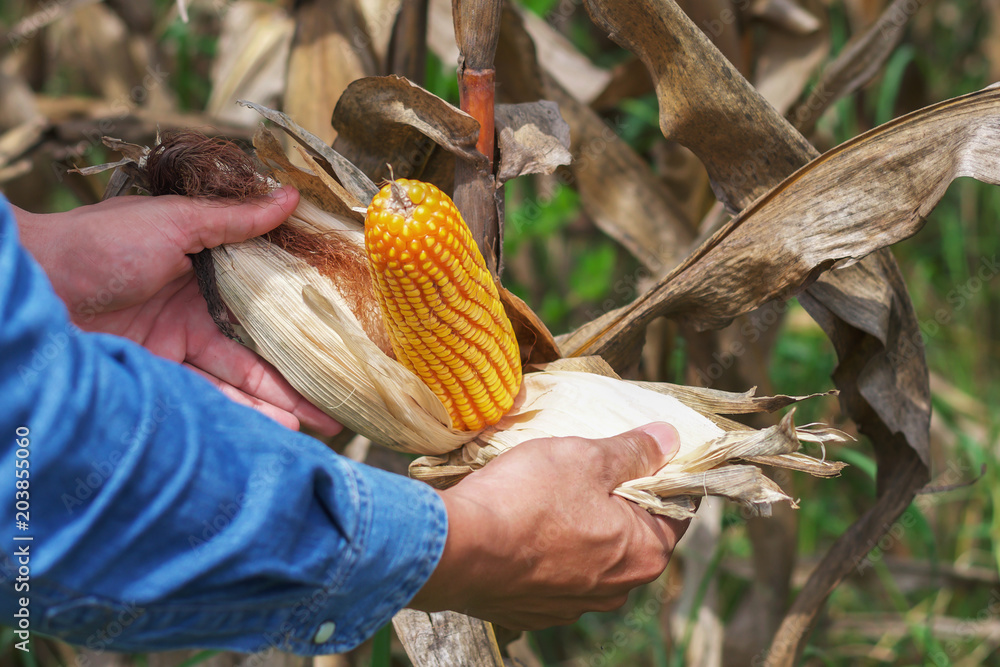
(210,224)
(639,452)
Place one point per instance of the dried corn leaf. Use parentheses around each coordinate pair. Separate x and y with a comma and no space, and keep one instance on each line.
(252,59)
(856,64)
(533,139)
(761,155)
(864,195)
(410,123)
(329,52)
(881,311)
(764,149)
(704,104)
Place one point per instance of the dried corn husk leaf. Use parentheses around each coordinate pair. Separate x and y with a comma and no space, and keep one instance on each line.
(317,186)
(744,484)
(705,400)
(801,463)
(352,178)
(726,402)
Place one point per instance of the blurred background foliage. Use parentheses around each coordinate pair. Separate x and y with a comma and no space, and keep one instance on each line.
(929,593)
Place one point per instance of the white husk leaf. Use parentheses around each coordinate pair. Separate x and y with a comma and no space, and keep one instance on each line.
(572,403)
(301,324)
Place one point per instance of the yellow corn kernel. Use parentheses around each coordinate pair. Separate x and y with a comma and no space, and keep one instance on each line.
(440,304)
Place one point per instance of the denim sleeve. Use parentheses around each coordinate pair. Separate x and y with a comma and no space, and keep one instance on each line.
(161,515)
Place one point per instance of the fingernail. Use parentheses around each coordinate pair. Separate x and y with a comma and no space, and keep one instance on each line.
(281,195)
(665,435)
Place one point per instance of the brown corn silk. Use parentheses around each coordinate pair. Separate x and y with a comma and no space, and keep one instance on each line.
(192,164)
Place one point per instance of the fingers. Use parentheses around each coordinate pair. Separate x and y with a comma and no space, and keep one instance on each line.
(662,532)
(636,453)
(283,417)
(207,223)
(241,370)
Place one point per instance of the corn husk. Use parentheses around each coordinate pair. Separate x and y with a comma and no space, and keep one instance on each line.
(300,323)
(299,320)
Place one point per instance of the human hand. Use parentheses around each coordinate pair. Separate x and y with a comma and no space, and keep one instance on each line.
(536,538)
(121,267)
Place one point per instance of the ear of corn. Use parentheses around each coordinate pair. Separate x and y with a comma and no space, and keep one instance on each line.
(440,304)
(299,320)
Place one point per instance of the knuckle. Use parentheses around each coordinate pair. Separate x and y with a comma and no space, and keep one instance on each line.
(590,454)
(653,567)
(612,603)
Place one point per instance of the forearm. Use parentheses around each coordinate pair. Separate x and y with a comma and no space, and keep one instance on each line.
(152,491)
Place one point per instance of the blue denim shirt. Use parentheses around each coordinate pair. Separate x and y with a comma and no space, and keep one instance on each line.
(162,515)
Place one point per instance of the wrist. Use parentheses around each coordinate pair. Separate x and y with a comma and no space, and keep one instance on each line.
(464,562)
